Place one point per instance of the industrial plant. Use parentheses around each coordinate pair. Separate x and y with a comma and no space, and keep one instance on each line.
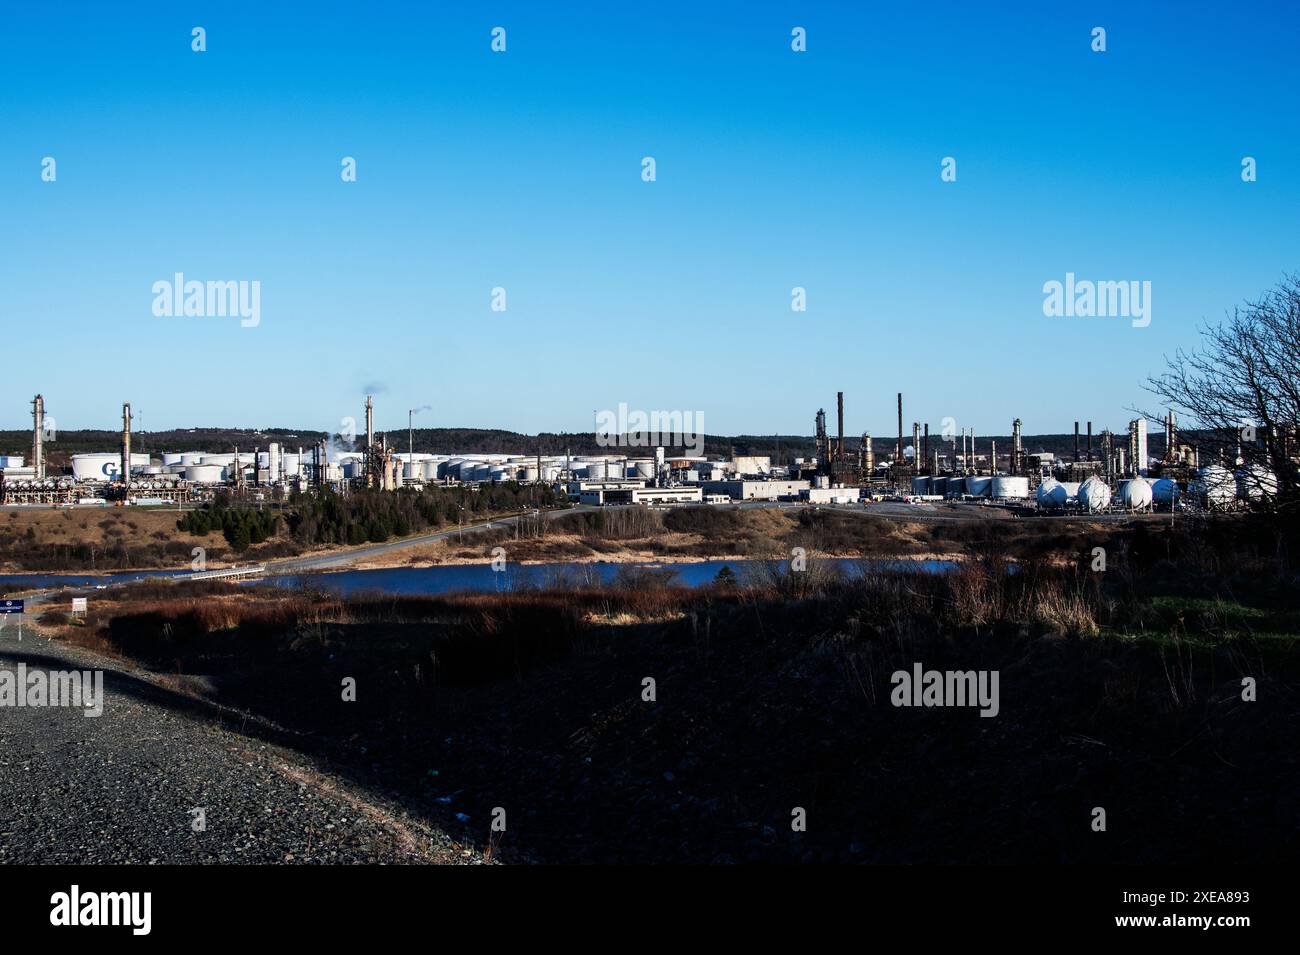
(1105,473)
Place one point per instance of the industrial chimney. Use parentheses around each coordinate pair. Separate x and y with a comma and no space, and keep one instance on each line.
(126,444)
(1016,462)
(898,449)
(839,403)
(38,437)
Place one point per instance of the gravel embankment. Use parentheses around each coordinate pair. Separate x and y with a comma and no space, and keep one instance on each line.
(119,788)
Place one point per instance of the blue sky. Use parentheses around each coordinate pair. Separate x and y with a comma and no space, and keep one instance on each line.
(522,170)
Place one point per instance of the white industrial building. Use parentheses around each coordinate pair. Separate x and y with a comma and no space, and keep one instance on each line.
(651,496)
(756,490)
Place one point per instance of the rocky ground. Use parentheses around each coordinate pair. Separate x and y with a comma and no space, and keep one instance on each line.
(119,788)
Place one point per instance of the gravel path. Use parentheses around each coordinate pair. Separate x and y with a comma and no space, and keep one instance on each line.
(119,788)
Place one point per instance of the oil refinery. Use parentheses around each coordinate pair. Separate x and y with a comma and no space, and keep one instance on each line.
(1112,474)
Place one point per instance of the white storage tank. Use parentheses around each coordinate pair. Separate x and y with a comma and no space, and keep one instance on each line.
(1256,482)
(1051,494)
(1216,486)
(977,486)
(11,461)
(1093,494)
(205,473)
(641,469)
(1010,487)
(595,470)
(96,466)
(429,470)
(1135,495)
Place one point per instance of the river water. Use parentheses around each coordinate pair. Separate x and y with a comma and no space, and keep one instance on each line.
(483,578)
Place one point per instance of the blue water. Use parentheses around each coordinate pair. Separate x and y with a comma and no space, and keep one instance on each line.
(482,578)
(44,581)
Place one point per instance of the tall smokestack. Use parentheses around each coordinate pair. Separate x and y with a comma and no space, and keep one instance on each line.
(898,450)
(126,444)
(973,468)
(926,457)
(916,447)
(1089,440)
(1016,462)
(372,459)
(38,437)
(839,404)
(1076,442)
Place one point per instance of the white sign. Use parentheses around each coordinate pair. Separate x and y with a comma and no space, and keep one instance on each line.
(78,604)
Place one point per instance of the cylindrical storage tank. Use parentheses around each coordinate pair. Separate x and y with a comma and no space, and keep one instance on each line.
(96,466)
(596,470)
(500,474)
(11,461)
(529,473)
(1135,495)
(977,486)
(1255,482)
(153,469)
(1010,487)
(290,464)
(641,469)
(1093,494)
(192,457)
(482,471)
(939,485)
(204,473)
(429,470)
(1165,491)
(1050,494)
(172,457)
(1216,487)
(614,470)
(921,485)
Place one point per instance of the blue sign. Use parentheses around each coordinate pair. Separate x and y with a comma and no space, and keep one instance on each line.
(11,606)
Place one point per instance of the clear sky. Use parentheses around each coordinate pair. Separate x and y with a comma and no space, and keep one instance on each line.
(522,170)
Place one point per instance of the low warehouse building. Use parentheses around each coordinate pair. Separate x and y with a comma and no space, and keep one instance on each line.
(652,496)
(756,490)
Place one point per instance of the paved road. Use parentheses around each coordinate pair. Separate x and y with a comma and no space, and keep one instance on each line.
(119,788)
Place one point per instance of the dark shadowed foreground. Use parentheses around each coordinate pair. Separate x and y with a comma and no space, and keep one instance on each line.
(1121,691)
